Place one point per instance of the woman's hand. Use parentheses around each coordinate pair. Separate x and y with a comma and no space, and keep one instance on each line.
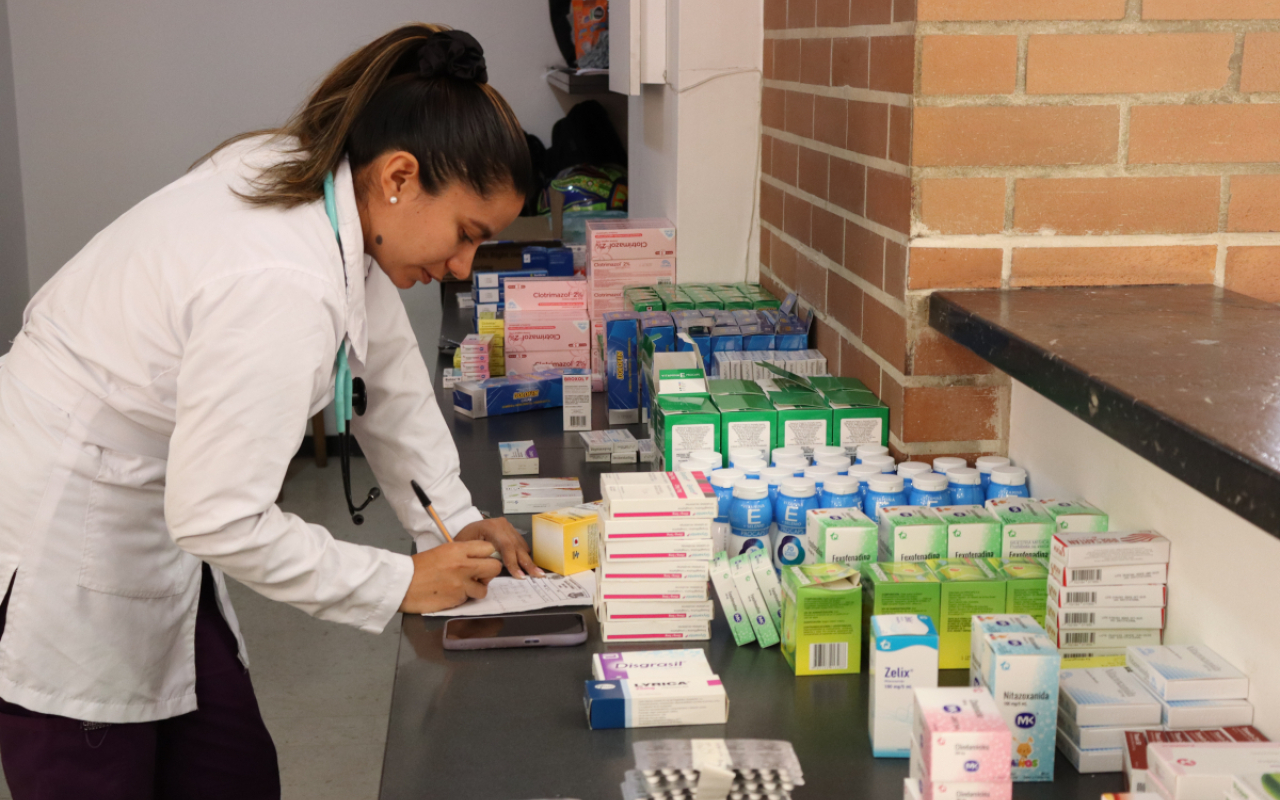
(510,545)
(445,576)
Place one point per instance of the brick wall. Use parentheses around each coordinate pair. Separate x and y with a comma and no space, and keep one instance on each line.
(1007,143)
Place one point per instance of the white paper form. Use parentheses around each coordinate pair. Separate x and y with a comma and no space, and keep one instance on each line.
(509,595)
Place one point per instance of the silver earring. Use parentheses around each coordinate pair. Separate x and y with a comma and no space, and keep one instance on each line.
(394,200)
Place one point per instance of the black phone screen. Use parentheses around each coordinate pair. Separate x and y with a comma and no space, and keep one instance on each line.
(514,627)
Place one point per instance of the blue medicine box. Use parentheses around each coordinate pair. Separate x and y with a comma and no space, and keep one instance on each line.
(557,261)
(622,366)
(660,328)
(725,339)
(495,396)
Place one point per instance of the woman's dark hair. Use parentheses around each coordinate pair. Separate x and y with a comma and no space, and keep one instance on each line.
(420,88)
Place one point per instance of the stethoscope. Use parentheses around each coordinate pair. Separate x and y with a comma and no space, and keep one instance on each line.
(348,393)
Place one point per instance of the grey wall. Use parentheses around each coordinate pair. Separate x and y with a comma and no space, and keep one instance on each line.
(115,98)
(13,250)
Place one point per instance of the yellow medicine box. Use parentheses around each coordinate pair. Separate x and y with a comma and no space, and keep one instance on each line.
(565,541)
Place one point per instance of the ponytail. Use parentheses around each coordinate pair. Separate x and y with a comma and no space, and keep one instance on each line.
(420,88)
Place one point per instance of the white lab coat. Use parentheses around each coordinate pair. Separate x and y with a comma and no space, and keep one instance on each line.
(161,383)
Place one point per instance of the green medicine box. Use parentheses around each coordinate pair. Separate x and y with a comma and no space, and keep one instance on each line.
(897,588)
(822,619)
(1026,582)
(1076,516)
(804,420)
(826,383)
(972,532)
(1026,530)
(911,533)
(746,421)
(682,425)
(718,386)
(968,587)
(857,417)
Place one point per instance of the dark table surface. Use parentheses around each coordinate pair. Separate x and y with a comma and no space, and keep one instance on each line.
(1188,377)
(510,724)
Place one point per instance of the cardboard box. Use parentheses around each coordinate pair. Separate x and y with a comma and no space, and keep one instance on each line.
(903,588)
(822,619)
(1023,680)
(630,238)
(1076,516)
(1065,619)
(564,541)
(650,704)
(904,657)
(656,571)
(968,587)
(682,425)
(674,528)
(843,536)
(744,581)
(919,789)
(657,494)
(746,421)
(857,417)
(912,533)
(653,610)
(972,532)
(1187,672)
(767,580)
(960,735)
(655,630)
(545,294)
(649,663)
(1177,714)
(1191,771)
(658,549)
(1026,530)
(518,458)
(983,625)
(1134,574)
(1089,762)
(622,366)
(576,392)
(1092,638)
(732,386)
(1106,697)
(735,610)
(537,495)
(1080,550)
(1094,737)
(1026,585)
(804,420)
(1141,596)
(529,333)
(507,395)
(521,364)
(607,591)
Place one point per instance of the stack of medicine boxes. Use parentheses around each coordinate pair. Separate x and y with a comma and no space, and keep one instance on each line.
(622,253)
(1095,708)
(960,746)
(1107,592)
(1196,687)
(655,546)
(546,324)
(474,353)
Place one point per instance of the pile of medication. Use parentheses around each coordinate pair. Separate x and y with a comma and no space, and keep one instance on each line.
(546,325)
(654,689)
(676,769)
(474,356)
(1137,763)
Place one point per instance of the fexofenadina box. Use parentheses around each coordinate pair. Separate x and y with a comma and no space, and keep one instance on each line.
(649,663)
(843,536)
(1026,530)
(1075,515)
(1026,585)
(898,588)
(972,532)
(911,533)
(822,619)
(904,657)
(960,735)
(968,588)
(1023,679)
(673,700)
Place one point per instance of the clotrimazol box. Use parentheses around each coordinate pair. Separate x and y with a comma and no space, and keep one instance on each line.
(624,529)
(1075,515)
(532,363)
(1026,530)
(904,657)
(545,294)
(657,494)
(822,619)
(655,630)
(564,541)
(1116,548)
(539,333)
(900,588)
(1023,679)
(1188,672)
(610,240)
(843,536)
(1193,771)
(972,532)
(1133,595)
(911,533)
(960,735)
(1106,697)
(648,663)
(1125,575)
(968,588)
(643,610)
(735,610)
(1026,582)
(673,700)
(983,625)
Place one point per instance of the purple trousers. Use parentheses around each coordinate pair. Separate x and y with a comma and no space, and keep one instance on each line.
(221,750)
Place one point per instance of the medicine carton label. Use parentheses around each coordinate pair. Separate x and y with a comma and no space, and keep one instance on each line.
(1116,548)
(903,658)
(843,536)
(675,700)
(972,532)
(1112,618)
(642,610)
(616,666)
(1132,574)
(576,390)
(968,588)
(655,630)
(961,736)
(1026,581)
(1026,530)
(1106,697)
(1187,672)
(822,619)
(1023,680)
(911,533)
(638,528)
(1075,516)
(1141,596)
(735,610)
(904,588)
(621,551)
(1092,638)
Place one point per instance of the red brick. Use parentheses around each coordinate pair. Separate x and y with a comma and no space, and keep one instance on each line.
(848,185)
(784,258)
(1118,205)
(766,154)
(828,234)
(904,11)
(766,243)
(814,168)
(775,14)
(900,134)
(1254,271)
(1261,70)
(815,62)
(833,13)
(895,269)
(868,128)
(856,364)
(1255,203)
(784,161)
(830,120)
(889,200)
(827,342)
(893,64)
(892,393)
(1013,136)
(1128,63)
(845,303)
(766,59)
(773,108)
(1204,134)
(954,268)
(801,13)
(969,65)
(797,218)
(864,254)
(1211,9)
(871,12)
(962,205)
(850,62)
(1113,266)
(885,332)
(811,283)
(770,284)
(786,59)
(935,354)
(951,413)
(976,10)
(771,204)
(800,114)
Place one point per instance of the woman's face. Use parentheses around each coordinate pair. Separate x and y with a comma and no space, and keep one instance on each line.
(421,237)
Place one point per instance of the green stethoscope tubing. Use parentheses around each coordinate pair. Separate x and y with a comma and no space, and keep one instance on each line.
(348,392)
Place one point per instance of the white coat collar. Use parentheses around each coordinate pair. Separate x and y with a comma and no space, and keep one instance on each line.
(355,263)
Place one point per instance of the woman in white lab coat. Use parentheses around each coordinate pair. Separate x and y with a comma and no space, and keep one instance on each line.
(160,385)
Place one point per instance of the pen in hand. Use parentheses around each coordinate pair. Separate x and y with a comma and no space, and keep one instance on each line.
(426,503)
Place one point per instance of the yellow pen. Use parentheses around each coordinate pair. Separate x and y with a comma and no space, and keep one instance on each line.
(426,503)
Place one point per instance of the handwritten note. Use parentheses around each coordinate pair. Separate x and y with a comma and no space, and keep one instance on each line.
(509,595)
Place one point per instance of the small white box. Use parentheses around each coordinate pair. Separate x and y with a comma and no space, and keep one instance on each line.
(1094,737)
(655,630)
(634,528)
(1134,595)
(622,457)
(961,736)
(1194,771)
(1089,762)
(658,570)
(1115,548)
(1184,714)
(519,458)
(1188,672)
(644,610)
(620,551)
(1107,696)
(646,663)
(1066,619)
(1108,576)
(921,788)
(575,391)
(1094,638)
(597,443)
(647,450)
(903,657)
(647,704)
(536,495)
(650,590)
(657,494)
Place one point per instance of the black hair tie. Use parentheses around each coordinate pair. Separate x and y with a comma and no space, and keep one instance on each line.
(455,54)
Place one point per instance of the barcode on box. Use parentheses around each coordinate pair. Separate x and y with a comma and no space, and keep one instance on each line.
(834,655)
(1068,656)
(1086,575)
(1079,637)
(1078,618)
(1082,598)
(576,421)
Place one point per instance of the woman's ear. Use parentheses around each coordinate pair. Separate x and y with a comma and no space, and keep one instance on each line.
(398,176)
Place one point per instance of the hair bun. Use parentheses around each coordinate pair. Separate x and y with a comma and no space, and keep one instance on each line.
(455,54)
